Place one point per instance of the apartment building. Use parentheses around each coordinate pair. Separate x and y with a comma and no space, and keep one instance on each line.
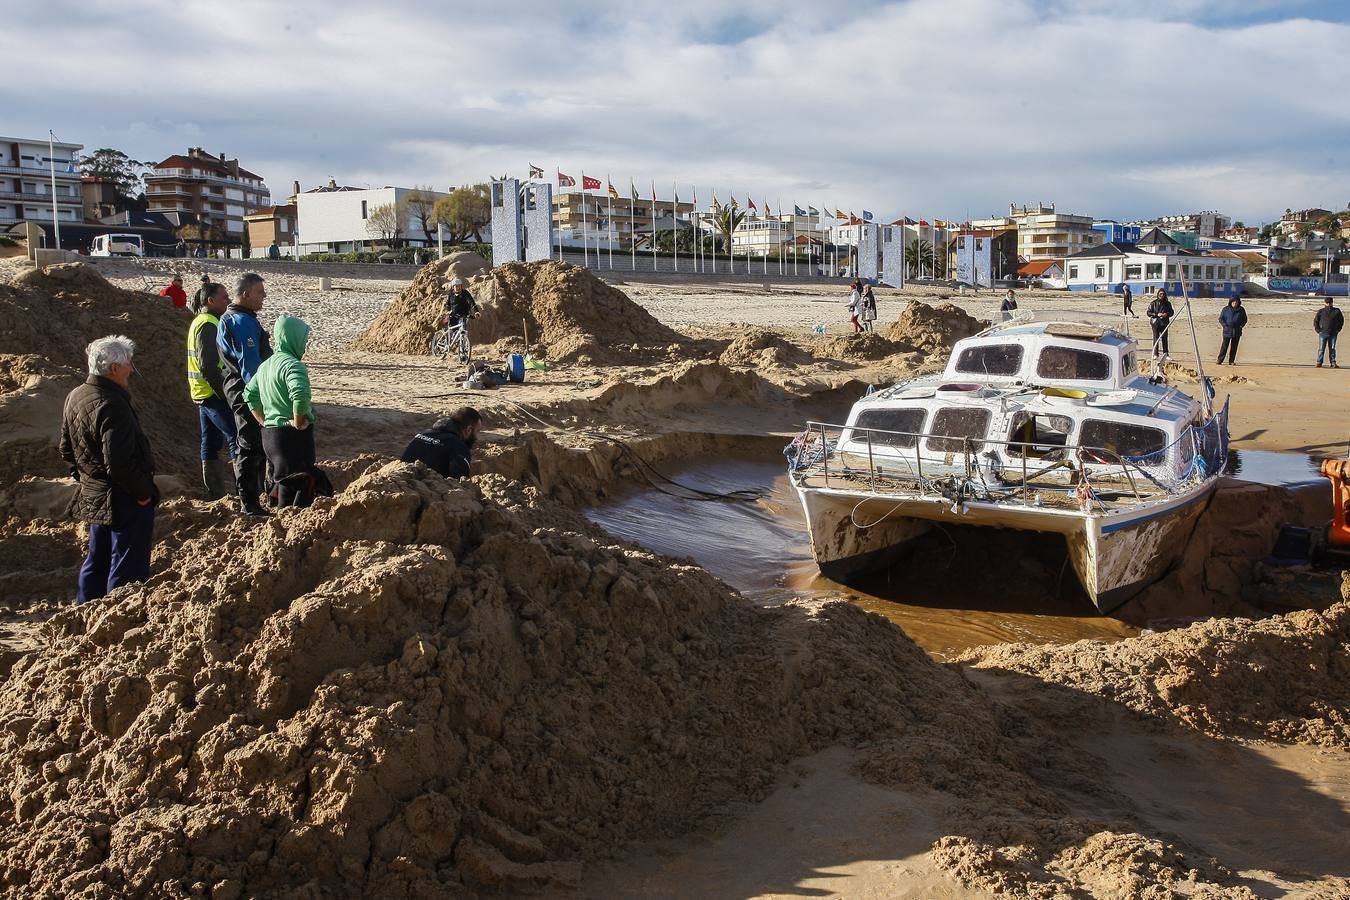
(1045,233)
(599,219)
(217,190)
(26,182)
(335,218)
(1205,224)
(271,225)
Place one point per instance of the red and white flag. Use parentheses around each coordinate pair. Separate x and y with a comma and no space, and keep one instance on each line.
(749,204)
(589,184)
(566,180)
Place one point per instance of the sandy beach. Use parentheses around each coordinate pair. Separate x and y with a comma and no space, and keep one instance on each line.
(531,683)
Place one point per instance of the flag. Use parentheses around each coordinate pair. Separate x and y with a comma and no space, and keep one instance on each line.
(867,216)
(839,213)
(797,210)
(734,204)
(767,212)
(854,220)
(566,180)
(535,171)
(653,191)
(750,204)
(812,211)
(633,190)
(677,195)
(613,191)
(716,205)
(588,183)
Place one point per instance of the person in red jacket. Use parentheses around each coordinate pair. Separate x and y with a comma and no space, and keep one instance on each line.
(174,291)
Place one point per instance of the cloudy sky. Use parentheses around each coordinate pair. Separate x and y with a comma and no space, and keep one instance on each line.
(947,108)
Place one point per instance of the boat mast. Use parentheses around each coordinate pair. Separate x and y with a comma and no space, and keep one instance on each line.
(1195,341)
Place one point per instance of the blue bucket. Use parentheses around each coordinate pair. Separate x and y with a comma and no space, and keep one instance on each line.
(515,368)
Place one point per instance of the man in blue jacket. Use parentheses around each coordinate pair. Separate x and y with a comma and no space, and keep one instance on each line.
(243,346)
(1233,318)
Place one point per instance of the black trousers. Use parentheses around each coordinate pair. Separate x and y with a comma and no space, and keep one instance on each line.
(291,453)
(1160,335)
(1229,346)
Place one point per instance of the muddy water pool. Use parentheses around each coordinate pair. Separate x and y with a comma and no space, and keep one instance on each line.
(957,592)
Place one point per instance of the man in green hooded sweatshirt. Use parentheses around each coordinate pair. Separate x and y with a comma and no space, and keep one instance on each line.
(278,396)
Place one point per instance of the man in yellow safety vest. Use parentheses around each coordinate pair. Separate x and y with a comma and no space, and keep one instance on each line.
(206,386)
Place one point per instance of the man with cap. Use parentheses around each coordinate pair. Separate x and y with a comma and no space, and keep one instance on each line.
(447,445)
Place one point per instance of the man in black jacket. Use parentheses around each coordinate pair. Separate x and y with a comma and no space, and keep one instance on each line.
(1160,314)
(446,447)
(1328,322)
(1233,318)
(110,457)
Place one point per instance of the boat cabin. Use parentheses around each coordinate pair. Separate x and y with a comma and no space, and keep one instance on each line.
(1056,354)
(1051,391)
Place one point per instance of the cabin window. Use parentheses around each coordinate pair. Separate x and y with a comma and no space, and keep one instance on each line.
(991,359)
(1129,365)
(1069,363)
(886,420)
(1122,438)
(955,424)
(1038,435)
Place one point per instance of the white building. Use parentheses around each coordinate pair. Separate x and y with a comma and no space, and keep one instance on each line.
(26,182)
(335,219)
(1043,233)
(1106,268)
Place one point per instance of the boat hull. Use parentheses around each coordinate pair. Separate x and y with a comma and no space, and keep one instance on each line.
(1115,556)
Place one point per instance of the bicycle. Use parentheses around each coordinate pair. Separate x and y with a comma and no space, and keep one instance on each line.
(449,338)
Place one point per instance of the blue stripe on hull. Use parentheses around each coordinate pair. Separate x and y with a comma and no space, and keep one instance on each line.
(1116,526)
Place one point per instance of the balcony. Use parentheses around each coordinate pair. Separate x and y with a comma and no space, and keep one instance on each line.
(45,199)
(44,171)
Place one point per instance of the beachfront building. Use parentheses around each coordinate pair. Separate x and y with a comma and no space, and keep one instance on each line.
(336,218)
(1045,233)
(1048,273)
(217,190)
(1106,268)
(1117,232)
(26,166)
(272,225)
(1205,224)
(599,220)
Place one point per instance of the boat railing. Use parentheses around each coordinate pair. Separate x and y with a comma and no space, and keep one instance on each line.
(1145,476)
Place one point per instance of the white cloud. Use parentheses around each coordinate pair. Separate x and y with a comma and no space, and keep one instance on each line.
(935,107)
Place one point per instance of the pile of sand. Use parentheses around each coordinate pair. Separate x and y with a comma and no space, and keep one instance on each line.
(762,348)
(569,312)
(866,346)
(412,688)
(933,329)
(1285,677)
(47,317)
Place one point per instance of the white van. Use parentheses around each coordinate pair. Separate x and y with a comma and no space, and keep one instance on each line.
(117,245)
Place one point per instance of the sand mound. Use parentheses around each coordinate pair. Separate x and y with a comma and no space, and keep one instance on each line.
(863,347)
(933,328)
(1286,677)
(47,316)
(408,689)
(761,348)
(571,314)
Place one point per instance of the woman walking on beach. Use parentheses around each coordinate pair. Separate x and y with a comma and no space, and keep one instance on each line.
(855,305)
(869,309)
(1008,307)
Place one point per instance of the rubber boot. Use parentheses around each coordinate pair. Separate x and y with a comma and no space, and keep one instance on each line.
(213,478)
(248,477)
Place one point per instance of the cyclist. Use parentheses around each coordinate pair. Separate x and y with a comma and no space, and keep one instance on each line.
(459,304)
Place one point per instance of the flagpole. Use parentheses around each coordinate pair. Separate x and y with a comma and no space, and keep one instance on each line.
(51,163)
(792,226)
(632,224)
(675,223)
(585,243)
(609,222)
(653,227)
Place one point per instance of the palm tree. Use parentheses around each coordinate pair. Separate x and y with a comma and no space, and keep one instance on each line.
(918,257)
(725,220)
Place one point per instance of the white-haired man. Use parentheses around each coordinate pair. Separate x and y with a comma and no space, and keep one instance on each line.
(109,455)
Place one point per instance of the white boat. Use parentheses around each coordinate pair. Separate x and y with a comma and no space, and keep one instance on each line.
(1037,426)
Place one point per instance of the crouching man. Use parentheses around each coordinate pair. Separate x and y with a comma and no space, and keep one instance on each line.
(447,446)
(110,457)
